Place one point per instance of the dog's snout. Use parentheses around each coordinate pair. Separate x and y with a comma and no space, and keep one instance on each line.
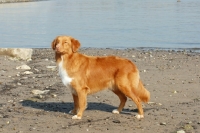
(57,47)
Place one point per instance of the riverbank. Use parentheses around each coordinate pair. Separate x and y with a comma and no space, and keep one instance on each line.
(172,77)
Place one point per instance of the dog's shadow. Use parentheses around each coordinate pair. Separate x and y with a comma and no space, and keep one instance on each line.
(65,107)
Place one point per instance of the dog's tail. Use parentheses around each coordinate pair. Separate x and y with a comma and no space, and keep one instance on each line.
(143,93)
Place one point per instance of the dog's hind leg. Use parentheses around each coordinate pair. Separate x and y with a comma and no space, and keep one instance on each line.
(129,93)
(123,100)
(139,106)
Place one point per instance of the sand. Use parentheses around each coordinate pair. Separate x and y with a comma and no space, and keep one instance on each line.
(172,77)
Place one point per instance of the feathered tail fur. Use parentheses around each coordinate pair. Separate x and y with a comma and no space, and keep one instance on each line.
(143,93)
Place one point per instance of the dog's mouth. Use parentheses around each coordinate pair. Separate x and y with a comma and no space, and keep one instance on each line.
(59,51)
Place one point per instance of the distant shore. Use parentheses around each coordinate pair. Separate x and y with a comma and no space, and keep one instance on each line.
(15,1)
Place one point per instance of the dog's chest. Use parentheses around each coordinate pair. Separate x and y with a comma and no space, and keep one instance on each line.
(63,74)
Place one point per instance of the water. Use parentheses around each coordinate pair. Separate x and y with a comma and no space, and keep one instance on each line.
(102,23)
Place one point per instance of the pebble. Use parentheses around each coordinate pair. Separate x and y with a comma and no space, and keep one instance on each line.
(175,92)
(24,67)
(190,122)
(19,83)
(151,103)
(180,131)
(116,121)
(163,123)
(36,69)
(51,67)
(10,101)
(54,95)
(39,76)
(39,92)
(28,72)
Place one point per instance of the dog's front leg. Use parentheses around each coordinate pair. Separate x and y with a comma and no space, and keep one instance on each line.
(76,104)
(81,95)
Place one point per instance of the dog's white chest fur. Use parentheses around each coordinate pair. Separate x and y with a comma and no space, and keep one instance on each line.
(63,74)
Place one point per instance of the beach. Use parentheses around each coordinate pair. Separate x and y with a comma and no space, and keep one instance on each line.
(172,77)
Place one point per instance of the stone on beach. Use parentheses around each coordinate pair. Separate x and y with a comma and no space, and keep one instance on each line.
(40,92)
(21,53)
(28,72)
(24,67)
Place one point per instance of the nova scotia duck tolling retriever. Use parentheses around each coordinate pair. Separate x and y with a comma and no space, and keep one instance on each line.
(85,75)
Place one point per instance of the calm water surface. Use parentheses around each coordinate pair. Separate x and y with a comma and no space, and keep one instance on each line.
(102,23)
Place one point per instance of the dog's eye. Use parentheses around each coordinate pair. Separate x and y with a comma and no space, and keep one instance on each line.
(66,42)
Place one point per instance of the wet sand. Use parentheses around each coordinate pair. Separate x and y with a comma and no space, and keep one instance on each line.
(172,77)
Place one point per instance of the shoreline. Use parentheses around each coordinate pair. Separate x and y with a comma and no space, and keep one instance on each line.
(17,1)
(194,50)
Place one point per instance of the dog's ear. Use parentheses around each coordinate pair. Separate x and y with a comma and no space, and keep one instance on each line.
(53,44)
(75,45)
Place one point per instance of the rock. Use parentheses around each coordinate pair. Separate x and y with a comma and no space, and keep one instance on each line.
(180,131)
(54,95)
(28,72)
(188,127)
(10,101)
(151,103)
(163,123)
(175,92)
(39,92)
(116,121)
(21,53)
(51,67)
(190,122)
(23,67)
(19,83)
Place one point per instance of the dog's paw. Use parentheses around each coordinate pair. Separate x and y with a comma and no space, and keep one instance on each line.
(75,117)
(72,112)
(139,116)
(115,111)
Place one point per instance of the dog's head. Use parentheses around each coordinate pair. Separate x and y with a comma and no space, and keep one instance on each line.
(65,45)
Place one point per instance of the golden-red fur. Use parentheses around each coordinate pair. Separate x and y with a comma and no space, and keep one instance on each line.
(89,74)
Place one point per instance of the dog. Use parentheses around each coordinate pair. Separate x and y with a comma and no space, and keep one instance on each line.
(86,75)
